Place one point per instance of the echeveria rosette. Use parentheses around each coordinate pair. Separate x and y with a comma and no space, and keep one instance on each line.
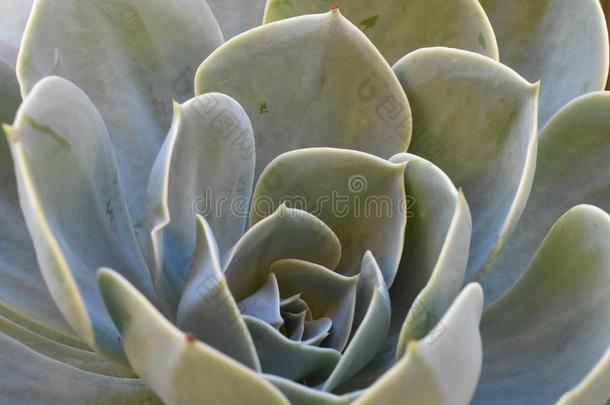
(294,300)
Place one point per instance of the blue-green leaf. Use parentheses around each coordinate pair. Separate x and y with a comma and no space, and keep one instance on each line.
(372,320)
(550,330)
(207,308)
(29,377)
(205,167)
(288,358)
(73,205)
(425,375)
(178,368)
(132,58)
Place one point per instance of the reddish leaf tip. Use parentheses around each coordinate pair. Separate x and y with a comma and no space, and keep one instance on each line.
(335,7)
(190,338)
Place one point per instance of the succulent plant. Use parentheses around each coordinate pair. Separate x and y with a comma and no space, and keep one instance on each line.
(264,237)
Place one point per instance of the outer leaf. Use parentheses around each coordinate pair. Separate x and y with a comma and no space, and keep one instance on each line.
(461,99)
(573,168)
(18,268)
(563,43)
(61,150)
(60,334)
(397,27)
(286,234)
(328,295)
(361,197)
(423,375)
(206,167)
(372,322)
(186,370)
(78,358)
(132,58)
(549,331)
(288,358)
(30,377)
(311,81)
(237,16)
(207,307)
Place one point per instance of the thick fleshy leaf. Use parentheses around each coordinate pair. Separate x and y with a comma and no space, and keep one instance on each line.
(18,268)
(432,267)
(444,370)
(265,303)
(593,389)
(361,197)
(9,92)
(572,168)
(328,294)
(237,16)
(13,19)
(32,378)
(461,99)
(435,256)
(73,205)
(85,360)
(60,334)
(177,367)
(207,308)
(397,27)
(316,331)
(311,81)
(300,394)
(288,358)
(372,321)
(286,234)
(562,43)
(551,329)
(205,167)
(132,59)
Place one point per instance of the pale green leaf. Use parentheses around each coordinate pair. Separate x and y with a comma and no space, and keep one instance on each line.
(548,332)
(562,43)
(572,168)
(311,81)
(397,27)
(359,196)
(476,120)
(285,234)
